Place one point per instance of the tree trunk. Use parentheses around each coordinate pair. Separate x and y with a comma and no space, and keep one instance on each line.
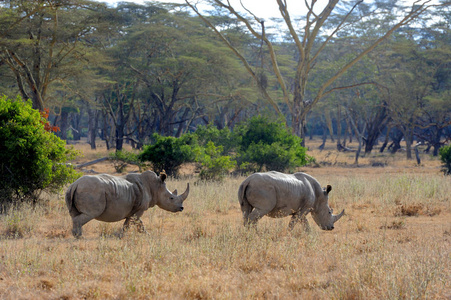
(107,128)
(417,155)
(321,147)
(339,125)
(329,125)
(396,136)
(408,137)
(436,143)
(375,128)
(93,119)
(76,121)
(119,137)
(64,124)
(387,136)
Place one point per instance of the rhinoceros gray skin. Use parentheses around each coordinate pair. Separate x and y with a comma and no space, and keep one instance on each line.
(113,198)
(277,195)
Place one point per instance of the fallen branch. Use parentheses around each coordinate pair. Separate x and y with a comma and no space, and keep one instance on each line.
(91,162)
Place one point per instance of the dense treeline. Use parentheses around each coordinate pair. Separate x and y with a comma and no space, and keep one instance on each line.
(124,73)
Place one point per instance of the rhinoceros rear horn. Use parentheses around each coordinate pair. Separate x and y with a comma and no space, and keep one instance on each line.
(185,194)
(337,217)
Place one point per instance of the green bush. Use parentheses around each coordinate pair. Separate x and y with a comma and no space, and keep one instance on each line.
(220,137)
(256,145)
(271,146)
(214,165)
(32,159)
(123,158)
(169,153)
(445,157)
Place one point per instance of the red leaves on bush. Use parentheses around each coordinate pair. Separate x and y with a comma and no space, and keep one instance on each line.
(45,121)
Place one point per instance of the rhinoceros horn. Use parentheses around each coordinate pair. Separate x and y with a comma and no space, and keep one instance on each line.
(185,194)
(337,217)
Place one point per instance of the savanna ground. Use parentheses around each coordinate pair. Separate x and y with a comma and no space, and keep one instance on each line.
(393,243)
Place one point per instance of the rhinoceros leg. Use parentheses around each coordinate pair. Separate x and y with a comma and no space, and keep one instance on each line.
(77,222)
(139,222)
(135,219)
(256,215)
(295,219)
(262,200)
(126,225)
(300,216)
(246,209)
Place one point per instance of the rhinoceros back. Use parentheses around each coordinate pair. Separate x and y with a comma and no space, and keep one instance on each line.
(105,197)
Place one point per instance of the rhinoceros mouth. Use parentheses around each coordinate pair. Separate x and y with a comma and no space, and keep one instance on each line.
(328,228)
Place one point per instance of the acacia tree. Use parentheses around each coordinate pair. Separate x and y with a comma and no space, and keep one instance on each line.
(184,73)
(310,40)
(417,96)
(43,44)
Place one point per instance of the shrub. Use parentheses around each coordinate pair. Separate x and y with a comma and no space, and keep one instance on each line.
(32,159)
(270,145)
(214,165)
(445,157)
(122,158)
(220,137)
(169,153)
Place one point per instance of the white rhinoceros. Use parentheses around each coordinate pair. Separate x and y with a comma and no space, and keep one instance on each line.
(279,195)
(112,198)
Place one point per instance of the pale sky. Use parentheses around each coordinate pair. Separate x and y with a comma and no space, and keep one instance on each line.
(261,8)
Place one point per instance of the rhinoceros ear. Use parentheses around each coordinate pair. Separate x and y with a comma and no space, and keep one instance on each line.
(163,176)
(328,189)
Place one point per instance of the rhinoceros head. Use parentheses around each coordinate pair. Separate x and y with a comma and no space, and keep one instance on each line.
(164,198)
(322,214)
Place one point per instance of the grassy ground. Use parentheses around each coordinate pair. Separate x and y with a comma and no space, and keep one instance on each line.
(393,243)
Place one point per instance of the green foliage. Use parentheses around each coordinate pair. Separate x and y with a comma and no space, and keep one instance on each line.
(169,153)
(214,165)
(270,145)
(256,145)
(31,158)
(445,157)
(122,158)
(220,137)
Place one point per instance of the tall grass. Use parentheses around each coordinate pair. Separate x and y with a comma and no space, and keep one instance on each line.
(375,252)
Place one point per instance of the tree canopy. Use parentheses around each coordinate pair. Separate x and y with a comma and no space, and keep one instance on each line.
(124,73)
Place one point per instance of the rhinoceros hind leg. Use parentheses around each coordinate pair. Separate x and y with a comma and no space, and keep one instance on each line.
(256,215)
(77,222)
(246,209)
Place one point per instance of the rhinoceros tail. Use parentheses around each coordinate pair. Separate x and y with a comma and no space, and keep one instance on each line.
(70,198)
(245,206)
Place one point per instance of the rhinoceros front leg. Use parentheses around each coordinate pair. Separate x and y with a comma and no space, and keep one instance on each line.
(300,216)
(135,219)
(77,222)
(139,222)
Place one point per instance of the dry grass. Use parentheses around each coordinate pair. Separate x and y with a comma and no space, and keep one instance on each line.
(393,243)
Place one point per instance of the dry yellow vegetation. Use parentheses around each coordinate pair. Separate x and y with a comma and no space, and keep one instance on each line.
(393,243)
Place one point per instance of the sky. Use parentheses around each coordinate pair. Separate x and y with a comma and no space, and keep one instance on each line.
(261,8)
(264,9)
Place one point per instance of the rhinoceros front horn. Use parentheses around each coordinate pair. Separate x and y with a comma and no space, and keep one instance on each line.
(337,217)
(185,194)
